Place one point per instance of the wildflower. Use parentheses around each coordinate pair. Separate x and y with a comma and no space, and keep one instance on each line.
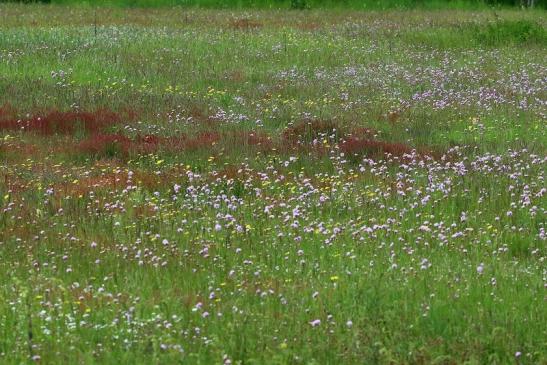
(424,228)
(315,322)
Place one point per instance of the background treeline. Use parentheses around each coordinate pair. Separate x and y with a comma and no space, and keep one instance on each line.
(305,4)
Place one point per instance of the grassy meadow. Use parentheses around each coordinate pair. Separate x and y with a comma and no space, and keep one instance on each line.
(294,4)
(203,186)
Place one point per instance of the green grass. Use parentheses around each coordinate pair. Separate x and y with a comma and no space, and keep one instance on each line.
(295,4)
(289,4)
(240,191)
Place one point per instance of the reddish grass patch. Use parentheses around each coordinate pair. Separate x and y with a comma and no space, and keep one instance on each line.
(116,182)
(235,76)
(18,149)
(363,132)
(245,24)
(110,145)
(15,185)
(236,176)
(308,131)
(259,141)
(202,140)
(229,173)
(85,185)
(357,147)
(115,145)
(147,144)
(310,26)
(57,122)
(143,211)
(393,116)
(262,141)
(197,113)
(6,112)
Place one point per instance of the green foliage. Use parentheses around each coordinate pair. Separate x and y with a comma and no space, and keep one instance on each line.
(299,4)
(500,33)
(510,31)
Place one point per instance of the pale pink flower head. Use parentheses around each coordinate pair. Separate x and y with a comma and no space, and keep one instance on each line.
(315,322)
